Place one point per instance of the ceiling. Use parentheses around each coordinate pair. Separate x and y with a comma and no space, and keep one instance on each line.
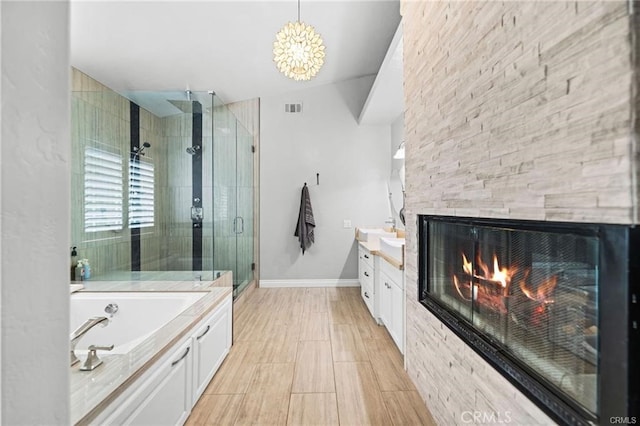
(385,102)
(225,46)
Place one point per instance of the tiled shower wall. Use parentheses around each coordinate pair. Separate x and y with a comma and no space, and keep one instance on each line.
(100,118)
(151,239)
(517,110)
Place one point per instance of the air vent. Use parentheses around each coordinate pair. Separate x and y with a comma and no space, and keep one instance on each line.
(293,108)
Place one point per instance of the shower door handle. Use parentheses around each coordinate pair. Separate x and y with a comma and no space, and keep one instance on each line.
(235,225)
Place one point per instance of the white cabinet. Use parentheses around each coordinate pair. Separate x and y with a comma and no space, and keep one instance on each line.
(392,302)
(166,392)
(367,278)
(211,343)
(170,400)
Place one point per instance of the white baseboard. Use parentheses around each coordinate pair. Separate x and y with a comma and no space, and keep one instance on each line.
(309,283)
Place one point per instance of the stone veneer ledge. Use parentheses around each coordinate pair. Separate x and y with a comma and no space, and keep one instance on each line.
(519,110)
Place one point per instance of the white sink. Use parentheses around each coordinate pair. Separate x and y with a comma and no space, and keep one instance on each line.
(392,247)
(372,235)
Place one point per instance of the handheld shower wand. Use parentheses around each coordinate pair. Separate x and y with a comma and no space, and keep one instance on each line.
(193,150)
(140,151)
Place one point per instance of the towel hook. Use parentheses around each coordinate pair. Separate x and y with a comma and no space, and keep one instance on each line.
(317,178)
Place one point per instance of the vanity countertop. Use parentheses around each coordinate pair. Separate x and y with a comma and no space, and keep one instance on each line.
(92,391)
(374,248)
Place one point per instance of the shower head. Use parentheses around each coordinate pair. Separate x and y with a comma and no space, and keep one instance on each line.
(193,150)
(140,151)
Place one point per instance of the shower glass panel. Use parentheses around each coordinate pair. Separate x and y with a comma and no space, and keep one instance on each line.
(162,185)
(100,159)
(244,209)
(233,195)
(224,190)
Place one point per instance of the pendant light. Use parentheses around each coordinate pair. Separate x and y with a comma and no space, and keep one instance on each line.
(298,50)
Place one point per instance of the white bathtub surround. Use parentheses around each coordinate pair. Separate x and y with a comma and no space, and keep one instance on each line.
(75,287)
(92,392)
(176,276)
(139,315)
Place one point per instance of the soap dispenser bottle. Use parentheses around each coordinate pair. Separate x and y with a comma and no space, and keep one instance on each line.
(87,269)
(74,262)
(79,275)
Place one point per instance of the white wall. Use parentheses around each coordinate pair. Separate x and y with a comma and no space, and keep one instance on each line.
(34,189)
(397,137)
(0,218)
(353,162)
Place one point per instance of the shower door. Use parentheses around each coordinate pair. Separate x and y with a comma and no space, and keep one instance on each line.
(244,209)
(233,192)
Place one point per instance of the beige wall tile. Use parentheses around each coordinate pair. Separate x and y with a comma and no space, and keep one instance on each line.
(514,110)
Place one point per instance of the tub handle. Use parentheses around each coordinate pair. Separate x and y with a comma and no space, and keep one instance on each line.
(205,332)
(182,357)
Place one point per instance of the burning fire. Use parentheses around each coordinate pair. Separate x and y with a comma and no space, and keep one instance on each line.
(543,292)
(489,286)
(500,276)
(466,265)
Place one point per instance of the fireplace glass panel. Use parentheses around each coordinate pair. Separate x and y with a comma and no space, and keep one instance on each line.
(532,294)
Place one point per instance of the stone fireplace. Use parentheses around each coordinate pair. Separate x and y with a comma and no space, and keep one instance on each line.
(518,111)
(549,305)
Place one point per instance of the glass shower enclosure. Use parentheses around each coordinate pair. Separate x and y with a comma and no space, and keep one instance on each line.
(233,194)
(162,185)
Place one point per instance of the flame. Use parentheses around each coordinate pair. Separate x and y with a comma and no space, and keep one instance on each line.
(543,292)
(490,285)
(502,275)
(499,276)
(457,285)
(466,265)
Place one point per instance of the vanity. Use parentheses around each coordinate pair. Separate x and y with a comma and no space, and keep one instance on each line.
(381,276)
(169,338)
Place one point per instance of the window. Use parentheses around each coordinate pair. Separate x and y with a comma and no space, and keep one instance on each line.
(102,190)
(141,192)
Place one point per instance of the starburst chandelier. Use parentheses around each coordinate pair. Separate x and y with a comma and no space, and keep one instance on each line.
(298,50)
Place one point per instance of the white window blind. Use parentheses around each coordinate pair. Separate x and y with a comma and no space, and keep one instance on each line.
(141,192)
(102,190)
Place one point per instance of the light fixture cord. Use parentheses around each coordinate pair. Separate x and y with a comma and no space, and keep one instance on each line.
(298,10)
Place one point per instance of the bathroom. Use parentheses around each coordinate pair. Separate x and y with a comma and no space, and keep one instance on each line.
(37,165)
(326,165)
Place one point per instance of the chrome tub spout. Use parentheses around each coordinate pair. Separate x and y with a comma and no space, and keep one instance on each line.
(81,331)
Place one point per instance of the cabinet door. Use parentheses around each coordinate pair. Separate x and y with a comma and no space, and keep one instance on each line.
(211,344)
(170,401)
(397,315)
(385,300)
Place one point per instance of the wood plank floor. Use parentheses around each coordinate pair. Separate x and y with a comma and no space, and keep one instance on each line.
(311,356)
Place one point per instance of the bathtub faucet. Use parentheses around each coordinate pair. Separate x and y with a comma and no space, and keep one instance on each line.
(82,330)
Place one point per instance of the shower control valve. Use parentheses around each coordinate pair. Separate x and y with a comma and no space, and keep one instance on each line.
(197,214)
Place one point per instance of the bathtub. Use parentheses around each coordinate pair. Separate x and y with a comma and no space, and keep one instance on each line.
(139,315)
